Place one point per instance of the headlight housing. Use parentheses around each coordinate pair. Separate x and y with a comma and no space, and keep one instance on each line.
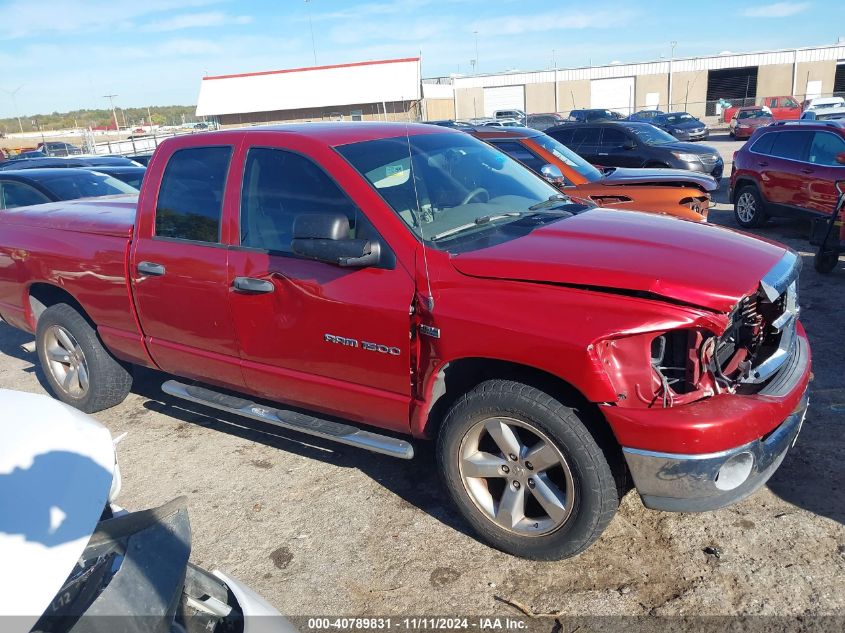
(687,158)
(661,369)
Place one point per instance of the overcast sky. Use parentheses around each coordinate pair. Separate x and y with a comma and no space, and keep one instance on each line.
(66,54)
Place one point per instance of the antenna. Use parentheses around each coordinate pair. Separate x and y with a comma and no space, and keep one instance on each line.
(429,300)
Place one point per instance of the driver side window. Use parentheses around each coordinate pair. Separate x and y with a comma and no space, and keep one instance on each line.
(279,186)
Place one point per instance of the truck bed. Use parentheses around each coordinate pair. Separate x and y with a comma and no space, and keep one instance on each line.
(109,215)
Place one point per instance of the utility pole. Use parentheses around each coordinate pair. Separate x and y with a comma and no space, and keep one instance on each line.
(311,26)
(673,44)
(113,111)
(476,49)
(13,94)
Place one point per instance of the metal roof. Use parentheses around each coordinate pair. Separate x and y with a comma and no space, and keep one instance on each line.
(314,87)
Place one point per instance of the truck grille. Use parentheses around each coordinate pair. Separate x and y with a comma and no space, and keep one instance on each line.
(760,337)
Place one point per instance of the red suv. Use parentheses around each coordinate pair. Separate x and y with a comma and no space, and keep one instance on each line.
(789,169)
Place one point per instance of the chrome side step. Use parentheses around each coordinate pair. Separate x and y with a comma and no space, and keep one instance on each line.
(327,429)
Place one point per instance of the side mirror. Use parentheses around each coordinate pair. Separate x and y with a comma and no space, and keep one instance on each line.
(552,174)
(840,158)
(325,238)
(629,144)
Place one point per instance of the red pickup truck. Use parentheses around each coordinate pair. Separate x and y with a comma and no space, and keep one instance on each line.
(390,280)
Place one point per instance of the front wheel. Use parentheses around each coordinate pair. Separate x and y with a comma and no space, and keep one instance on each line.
(525,472)
(78,368)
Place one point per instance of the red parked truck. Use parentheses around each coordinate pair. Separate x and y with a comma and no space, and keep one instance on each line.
(389,280)
(783,108)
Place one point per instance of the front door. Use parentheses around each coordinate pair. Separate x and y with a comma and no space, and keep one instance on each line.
(179,269)
(313,334)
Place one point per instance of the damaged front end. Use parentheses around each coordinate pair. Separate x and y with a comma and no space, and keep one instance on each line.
(738,352)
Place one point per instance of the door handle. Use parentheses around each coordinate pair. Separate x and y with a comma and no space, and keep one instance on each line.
(151,268)
(763,164)
(806,171)
(248,285)
(603,154)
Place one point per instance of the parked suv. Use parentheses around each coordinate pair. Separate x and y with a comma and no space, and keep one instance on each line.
(788,169)
(632,144)
(518,115)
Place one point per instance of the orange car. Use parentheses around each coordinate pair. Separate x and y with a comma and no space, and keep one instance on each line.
(677,192)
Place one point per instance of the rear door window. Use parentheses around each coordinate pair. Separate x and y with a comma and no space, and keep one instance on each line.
(824,148)
(18,194)
(585,137)
(565,136)
(190,200)
(791,144)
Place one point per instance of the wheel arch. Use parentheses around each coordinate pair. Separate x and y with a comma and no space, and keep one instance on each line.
(456,377)
(43,295)
(743,181)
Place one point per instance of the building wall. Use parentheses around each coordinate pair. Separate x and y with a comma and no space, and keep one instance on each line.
(540,97)
(395,111)
(573,95)
(774,80)
(469,103)
(689,91)
(824,71)
(645,84)
(436,109)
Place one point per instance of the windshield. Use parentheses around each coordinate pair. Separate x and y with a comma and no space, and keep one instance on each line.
(650,135)
(85,185)
(569,157)
(459,184)
(681,117)
(753,114)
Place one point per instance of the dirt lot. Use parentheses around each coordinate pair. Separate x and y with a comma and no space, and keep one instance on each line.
(322,529)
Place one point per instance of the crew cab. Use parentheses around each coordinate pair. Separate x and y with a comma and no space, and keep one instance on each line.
(375,283)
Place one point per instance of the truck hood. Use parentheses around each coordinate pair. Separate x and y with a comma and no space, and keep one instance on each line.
(56,470)
(648,176)
(630,252)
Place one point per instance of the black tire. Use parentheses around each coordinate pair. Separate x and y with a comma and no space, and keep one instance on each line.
(749,207)
(108,380)
(595,497)
(825,262)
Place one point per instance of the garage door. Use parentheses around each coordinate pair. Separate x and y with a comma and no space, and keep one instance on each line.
(613,94)
(504,98)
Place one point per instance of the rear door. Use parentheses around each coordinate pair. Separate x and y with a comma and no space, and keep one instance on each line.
(783,167)
(820,184)
(179,266)
(316,335)
(585,142)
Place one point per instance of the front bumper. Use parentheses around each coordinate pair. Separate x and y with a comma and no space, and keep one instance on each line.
(695,483)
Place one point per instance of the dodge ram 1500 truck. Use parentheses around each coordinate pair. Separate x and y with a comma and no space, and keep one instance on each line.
(389,280)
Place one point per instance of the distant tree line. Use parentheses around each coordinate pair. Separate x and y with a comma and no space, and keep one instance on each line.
(159,115)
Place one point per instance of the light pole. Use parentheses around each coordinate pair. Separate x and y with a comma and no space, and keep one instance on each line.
(114,113)
(311,26)
(13,94)
(673,44)
(476,49)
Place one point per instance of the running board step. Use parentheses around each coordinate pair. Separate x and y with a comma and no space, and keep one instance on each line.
(327,429)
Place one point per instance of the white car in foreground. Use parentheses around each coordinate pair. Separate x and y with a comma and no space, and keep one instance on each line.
(74,561)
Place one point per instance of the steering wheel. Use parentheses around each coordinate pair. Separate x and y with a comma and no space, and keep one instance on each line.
(476,192)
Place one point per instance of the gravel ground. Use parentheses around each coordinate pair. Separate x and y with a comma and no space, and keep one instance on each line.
(322,529)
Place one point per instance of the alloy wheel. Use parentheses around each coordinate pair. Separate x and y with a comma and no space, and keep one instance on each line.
(516,476)
(746,207)
(66,361)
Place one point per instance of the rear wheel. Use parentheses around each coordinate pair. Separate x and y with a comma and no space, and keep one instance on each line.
(78,369)
(525,472)
(748,207)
